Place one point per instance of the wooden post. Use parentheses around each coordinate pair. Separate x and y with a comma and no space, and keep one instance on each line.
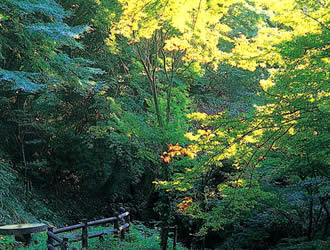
(116,224)
(122,232)
(128,220)
(49,239)
(84,235)
(64,244)
(175,236)
(203,246)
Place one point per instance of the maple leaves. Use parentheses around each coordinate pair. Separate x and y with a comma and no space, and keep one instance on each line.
(176,150)
(185,204)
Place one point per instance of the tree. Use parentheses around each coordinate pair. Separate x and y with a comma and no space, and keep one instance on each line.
(165,37)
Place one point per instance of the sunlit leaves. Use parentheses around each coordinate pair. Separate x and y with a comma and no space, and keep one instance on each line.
(288,19)
(190,26)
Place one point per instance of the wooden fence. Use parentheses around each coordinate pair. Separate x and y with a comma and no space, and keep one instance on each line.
(121,223)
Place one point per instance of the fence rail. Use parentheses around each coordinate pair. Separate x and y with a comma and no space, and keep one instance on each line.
(121,223)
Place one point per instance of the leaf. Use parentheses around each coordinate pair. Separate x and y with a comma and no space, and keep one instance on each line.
(60,33)
(20,80)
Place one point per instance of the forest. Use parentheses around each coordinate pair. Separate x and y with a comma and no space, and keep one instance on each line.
(210,116)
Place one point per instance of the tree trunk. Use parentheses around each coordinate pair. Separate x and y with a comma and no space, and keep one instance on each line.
(168,109)
(310,223)
(157,110)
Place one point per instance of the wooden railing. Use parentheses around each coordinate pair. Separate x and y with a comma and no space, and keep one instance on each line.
(121,223)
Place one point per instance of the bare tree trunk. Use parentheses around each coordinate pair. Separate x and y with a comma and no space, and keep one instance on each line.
(155,97)
(150,66)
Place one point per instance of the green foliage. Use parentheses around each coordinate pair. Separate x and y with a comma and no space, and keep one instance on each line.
(7,178)
(301,243)
(140,237)
(59,33)
(20,80)
(48,8)
(228,88)
(32,40)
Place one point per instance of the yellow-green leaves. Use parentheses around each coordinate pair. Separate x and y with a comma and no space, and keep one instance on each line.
(191,26)
(196,27)
(285,19)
